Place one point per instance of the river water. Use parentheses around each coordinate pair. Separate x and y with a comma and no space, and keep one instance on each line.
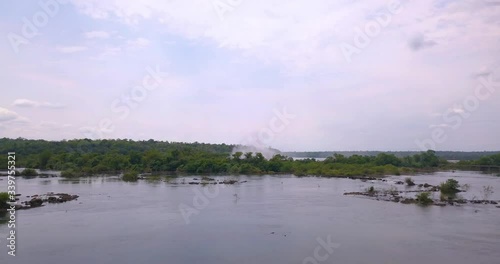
(268,219)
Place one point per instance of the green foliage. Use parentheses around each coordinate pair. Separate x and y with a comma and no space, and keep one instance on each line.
(4,197)
(130,176)
(443,155)
(87,157)
(493,160)
(29,172)
(371,190)
(424,198)
(449,187)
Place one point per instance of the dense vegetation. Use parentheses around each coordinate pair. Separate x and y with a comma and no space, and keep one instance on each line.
(492,160)
(77,157)
(447,155)
(87,157)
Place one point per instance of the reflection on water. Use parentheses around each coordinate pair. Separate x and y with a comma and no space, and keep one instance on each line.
(3,218)
(46,182)
(269,219)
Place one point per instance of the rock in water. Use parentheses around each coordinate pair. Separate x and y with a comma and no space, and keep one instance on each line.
(36,202)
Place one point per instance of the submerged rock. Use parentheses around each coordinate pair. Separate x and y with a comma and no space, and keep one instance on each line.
(230,182)
(408,201)
(61,198)
(207,179)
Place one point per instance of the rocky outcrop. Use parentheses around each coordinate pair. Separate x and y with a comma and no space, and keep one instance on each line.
(39,200)
(35,202)
(61,198)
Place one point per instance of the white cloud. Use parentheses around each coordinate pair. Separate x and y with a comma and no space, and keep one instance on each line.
(12,117)
(25,103)
(96,34)
(71,49)
(7,115)
(31,103)
(304,34)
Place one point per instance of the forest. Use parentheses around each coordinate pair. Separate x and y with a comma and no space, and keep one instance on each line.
(89,157)
(448,155)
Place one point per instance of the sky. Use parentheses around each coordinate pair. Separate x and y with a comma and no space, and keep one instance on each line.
(294,75)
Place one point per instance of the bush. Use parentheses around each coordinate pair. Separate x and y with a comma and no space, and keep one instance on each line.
(371,190)
(424,199)
(4,197)
(449,187)
(130,176)
(409,181)
(29,172)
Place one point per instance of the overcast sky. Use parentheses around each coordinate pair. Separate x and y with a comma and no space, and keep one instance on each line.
(294,75)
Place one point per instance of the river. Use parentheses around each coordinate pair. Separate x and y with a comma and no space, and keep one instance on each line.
(268,219)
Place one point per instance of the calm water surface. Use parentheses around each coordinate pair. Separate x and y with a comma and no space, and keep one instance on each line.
(269,219)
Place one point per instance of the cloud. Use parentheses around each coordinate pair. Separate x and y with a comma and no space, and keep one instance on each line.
(419,42)
(30,103)
(71,49)
(7,115)
(21,120)
(12,117)
(96,34)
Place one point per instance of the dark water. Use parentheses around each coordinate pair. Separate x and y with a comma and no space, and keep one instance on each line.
(118,222)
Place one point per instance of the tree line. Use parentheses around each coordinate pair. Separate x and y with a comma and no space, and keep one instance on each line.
(88,157)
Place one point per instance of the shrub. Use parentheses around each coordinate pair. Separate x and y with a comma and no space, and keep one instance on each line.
(409,181)
(29,172)
(449,187)
(424,199)
(371,190)
(4,197)
(130,176)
